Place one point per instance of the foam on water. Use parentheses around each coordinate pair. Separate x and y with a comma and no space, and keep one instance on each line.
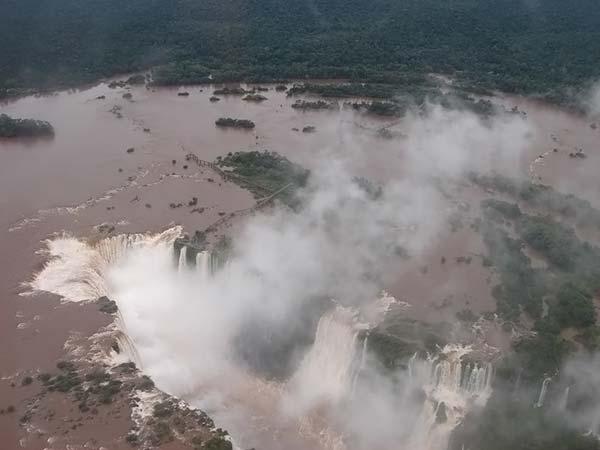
(178,323)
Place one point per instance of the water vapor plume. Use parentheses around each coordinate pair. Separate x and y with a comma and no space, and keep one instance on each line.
(274,345)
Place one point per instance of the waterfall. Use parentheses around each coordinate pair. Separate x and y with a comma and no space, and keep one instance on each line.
(445,379)
(128,349)
(518,382)
(564,399)
(204,262)
(543,391)
(447,371)
(182,259)
(361,365)
(411,364)
(324,382)
(325,373)
(76,270)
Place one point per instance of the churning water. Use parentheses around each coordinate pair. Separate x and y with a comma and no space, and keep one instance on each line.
(178,321)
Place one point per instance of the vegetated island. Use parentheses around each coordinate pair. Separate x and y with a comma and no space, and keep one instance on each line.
(306,105)
(13,128)
(254,98)
(234,123)
(231,91)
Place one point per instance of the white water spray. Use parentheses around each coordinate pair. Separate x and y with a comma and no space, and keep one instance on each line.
(564,401)
(204,265)
(543,391)
(182,259)
(446,380)
(165,333)
(325,374)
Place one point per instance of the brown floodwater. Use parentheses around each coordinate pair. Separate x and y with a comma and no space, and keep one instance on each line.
(84,177)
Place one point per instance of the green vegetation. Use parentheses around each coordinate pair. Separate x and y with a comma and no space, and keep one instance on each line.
(540,196)
(13,128)
(395,340)
(574,273)
(574,307)
(510,45)
(306,105)
(163,409)
(219,441)
(521,287)
(231,91)
(107,305)
(132,439)
(559,297)
(341,90)
(234,123)
(136,80)
(374,191)
(161,433)
(510,422)
(265,173)
(145,384)
(66,381)
(126,368)
(496,209)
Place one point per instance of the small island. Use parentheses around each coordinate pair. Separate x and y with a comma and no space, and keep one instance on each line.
(305,105)
(12,128)
(231,91)
(234,123)
(254,98)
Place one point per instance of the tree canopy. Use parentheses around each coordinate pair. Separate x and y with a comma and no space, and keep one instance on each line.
(512,45)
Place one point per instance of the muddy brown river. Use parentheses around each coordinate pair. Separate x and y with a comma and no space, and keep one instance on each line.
(84,177)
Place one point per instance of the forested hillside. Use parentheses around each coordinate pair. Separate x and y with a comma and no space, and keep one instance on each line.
(513,45)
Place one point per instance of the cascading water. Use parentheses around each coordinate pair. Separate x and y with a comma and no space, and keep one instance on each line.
(564,401)
(325,373)
(182,259)
(164,333)
(77,270)
(543,391)
(204,264)
(363,361)
(518,382)
(446,381)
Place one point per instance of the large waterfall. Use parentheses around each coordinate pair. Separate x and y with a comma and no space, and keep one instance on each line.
(204,265)
(77,270)
(326,372)
(543,391)
(178,322)
(451,387)
(182,259)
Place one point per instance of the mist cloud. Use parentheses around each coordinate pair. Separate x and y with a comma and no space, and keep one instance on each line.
(339,248)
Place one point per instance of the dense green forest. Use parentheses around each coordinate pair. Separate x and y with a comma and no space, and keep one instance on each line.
(515,45)
(12,128)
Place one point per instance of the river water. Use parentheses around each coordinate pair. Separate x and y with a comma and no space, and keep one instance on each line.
(84,177)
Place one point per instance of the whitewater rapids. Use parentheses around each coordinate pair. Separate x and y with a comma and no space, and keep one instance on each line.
(179,323)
